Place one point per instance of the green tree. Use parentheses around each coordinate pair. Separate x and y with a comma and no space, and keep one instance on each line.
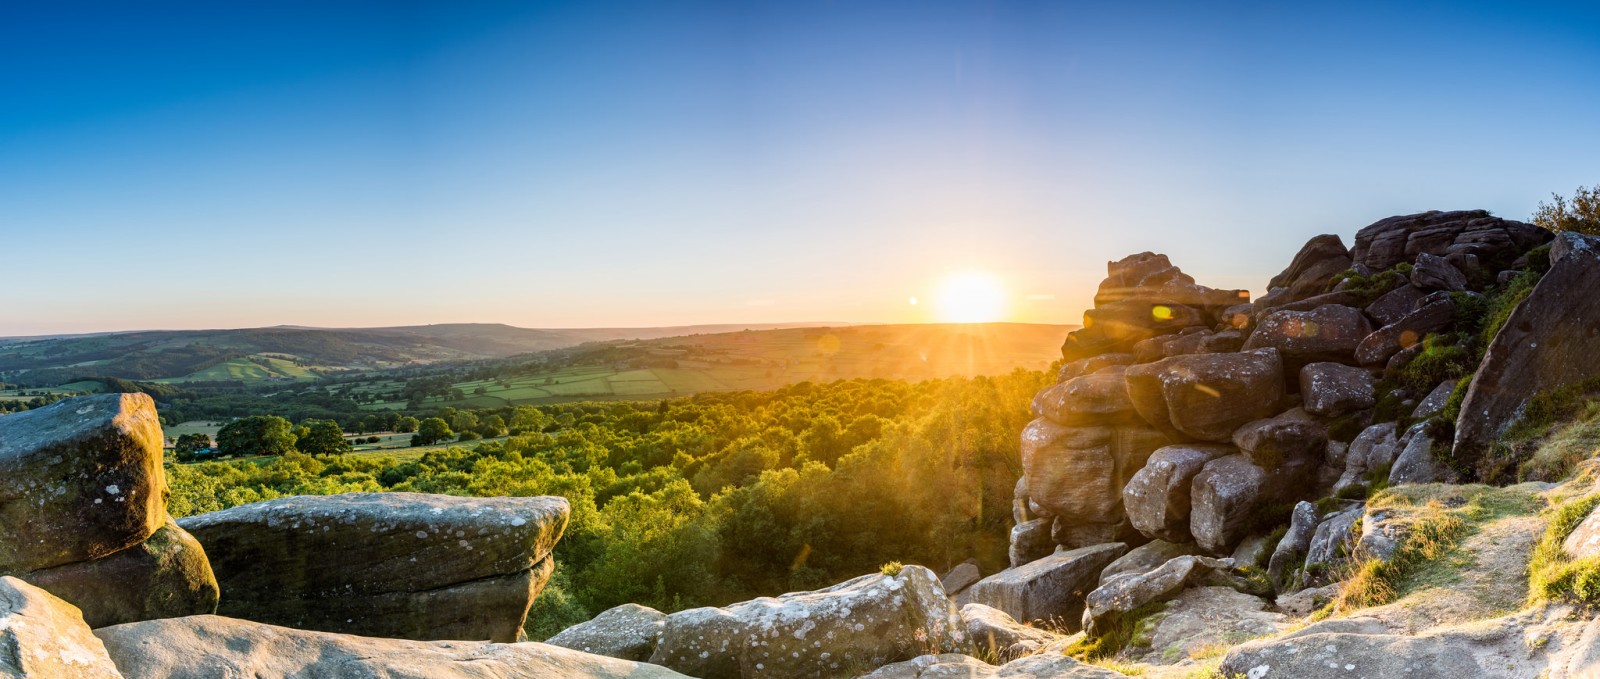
(406,424)
(190,444)
(1581,215)
(431,431)
(324,437)
(256,435)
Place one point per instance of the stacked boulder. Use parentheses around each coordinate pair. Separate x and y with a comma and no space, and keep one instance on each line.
(83,504)
(1196,418)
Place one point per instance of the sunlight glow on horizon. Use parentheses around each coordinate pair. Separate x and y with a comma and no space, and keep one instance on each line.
(971,297)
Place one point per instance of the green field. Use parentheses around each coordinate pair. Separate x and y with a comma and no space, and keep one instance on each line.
(249,369)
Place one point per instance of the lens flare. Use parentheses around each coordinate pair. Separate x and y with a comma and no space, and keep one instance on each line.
(971,297)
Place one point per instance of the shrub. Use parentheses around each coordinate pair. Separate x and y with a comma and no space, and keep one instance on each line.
(1581,215)
(892,569)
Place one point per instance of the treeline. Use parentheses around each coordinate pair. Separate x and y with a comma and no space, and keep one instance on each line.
(719,497)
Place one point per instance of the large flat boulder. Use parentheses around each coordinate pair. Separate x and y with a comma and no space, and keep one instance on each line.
(1228,492)
(867,622)
(42,637)
(79,480)
(998,635)
(1123,595)
(629,632)
(1330,332)
(166,576)
(1050,589)
(1548,343)
(1157,497)
(1207,396)
(401,565)
(208,646)
(1433,313)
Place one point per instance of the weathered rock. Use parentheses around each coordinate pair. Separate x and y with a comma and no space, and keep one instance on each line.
(1208,617)
(1227,493)
(941,666)
(1050,589)
(205,646)
(1432,272)
(1434,402)
(1417,462)
(1157,497)
(869,621)
(1547,343)
(1331,547)
(1382,531)
(1145,558)
(1020,511)
(1253,551)
(1333,389)
(1143,296)
(1584,541)
(1291,550)
(1097,399)
(1433,313)
(628,632)
(1312,270)
(42,637)
(1079,472)
(166,576)
(1031,541)
(1327,333)
(1125,594)
(1394,240)
(961,577)
(1291,437)
(79,480)
(993,632)
(1345,648)
(1374,448)
(401,565)
(1395,304)
(1092,364)
(1054,666)
(1207,396)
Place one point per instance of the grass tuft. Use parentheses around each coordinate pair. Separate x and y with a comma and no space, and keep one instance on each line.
(1554,576)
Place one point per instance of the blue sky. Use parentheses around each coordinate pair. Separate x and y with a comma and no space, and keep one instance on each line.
(167,165)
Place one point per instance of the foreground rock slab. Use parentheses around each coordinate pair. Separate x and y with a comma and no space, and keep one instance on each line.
(79,480)
(166,576)
(866,622)
(629,632)
(1050,589)
(208,646)
(400,565)
(42,637)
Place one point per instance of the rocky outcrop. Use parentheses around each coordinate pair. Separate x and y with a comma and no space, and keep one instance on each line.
(1207,396)
(1079,472)
(1547,343)
(1050,589)
(400,565)
(206,646)
(870,621)
(1157,498)
(1310,273)
(1396,240)
(629,632)
(173,575)
(1144,296)
(43,637)
(83,502)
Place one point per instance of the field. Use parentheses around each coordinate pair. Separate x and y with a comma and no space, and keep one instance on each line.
(766,359)
(254,368)
(72,389)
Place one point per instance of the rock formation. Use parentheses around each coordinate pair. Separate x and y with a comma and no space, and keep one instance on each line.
(401,565)
(42,637)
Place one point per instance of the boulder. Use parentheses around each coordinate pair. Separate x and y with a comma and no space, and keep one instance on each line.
(1331,547)
(1433,313)
(204,646)
(1050,589)
(1125,594)
(1254,551)
(1330,332)
(628,632)
(998,635)
(42,637)
(1157,497)
(1204,618)
(1054,666)
(1291,550)
(1227,493)
(1207,396)
(1434,402)
(166,576)
(1394,304)
(869,621)
(1432,272)
(1031,541)
(1417,462)
(961,577)
(1092,364)
(1547,343)
(400,565)
(1374,448)
(1096,399)
(1291,437)
(1356,647)
(1079,472)
(1143,296)
(79,480)
(1312,270)
(939,666)
(1334,389)
(1144,558)
(1395,240)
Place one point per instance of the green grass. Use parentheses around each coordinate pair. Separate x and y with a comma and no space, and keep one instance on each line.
(1555,576)
(245,369)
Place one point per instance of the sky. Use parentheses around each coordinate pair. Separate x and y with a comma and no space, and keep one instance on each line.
(587,164)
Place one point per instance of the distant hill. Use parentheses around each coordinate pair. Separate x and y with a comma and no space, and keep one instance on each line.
(294,353)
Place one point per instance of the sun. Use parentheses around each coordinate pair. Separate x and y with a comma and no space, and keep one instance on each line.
(971,297)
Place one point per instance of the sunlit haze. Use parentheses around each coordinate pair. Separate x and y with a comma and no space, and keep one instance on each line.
(598,164)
